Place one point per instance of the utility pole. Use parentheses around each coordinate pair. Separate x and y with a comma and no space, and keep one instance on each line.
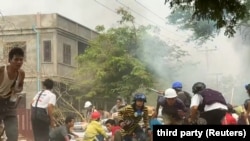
(207,50)
(217,75)
(38,64)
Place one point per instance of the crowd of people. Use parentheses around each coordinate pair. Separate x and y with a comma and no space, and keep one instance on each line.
(125,122)
(205,106)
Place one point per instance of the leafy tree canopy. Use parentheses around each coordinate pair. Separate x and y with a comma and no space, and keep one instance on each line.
(202,30)
(119,60)
(224,13)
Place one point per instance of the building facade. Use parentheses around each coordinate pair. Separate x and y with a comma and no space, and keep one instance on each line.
(50,41)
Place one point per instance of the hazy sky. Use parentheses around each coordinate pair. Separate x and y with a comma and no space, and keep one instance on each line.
(97,12)
(228,58)
(89,12)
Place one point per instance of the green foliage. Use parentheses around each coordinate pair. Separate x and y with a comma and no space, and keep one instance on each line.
(202,30)
(225,13)
(118,61)
(109,67)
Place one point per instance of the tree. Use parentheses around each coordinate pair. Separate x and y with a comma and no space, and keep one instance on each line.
(225,13)
(117,61)
(202,30)
(109,67)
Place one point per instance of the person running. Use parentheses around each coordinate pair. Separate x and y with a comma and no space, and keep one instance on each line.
(182,95)
(11,83)
(209,104)
(173,109)
(129,118)
(43,105)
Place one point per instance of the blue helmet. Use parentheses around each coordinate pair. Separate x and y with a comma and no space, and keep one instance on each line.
(177,85)
(140,96)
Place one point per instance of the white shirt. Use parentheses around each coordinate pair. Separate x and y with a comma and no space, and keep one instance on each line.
(197,100)
(45,99)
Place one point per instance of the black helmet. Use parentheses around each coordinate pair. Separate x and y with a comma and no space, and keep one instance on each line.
(247,87)
(140,96)
(198,86)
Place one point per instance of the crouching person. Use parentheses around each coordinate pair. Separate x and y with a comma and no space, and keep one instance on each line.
(95,131)
(62,132)
(112,127)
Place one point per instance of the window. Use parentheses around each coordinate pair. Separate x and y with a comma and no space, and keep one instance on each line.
(81,48)
(66,54)
(47,51)
(9,45)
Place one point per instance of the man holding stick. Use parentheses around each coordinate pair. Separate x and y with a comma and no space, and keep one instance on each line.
(160,99)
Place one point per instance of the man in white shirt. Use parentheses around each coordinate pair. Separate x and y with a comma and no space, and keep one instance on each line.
(43,102)
(210,104)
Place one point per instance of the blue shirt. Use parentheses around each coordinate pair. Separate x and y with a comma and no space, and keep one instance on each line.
(154,121)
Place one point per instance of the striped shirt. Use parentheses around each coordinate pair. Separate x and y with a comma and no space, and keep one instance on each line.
(132,118)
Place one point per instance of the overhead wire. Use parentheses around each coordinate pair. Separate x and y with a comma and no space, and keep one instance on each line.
(138,13)
(172,39)
(109,8)
(145,7)
(139,3)
(176,41)
(105,6)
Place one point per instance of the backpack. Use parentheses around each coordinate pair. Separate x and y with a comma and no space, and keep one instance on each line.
(211,96)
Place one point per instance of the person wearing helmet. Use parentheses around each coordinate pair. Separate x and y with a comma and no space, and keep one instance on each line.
(129,118)
(95,131)
(173,109)
(182,95)
(198,86)
(209,104)
(89,109)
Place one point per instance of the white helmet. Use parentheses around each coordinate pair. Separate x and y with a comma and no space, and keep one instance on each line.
(170,93)
(87,104)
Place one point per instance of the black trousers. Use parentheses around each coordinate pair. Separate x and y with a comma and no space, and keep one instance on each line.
(214,117)
(40,130)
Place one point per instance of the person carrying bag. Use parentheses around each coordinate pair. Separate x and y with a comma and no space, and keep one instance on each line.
(40,113)
(42,110)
